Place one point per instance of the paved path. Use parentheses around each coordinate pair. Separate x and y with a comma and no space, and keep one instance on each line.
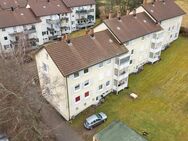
(60,128)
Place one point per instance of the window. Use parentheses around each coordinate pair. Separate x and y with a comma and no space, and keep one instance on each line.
(86,83)
(109,61)
(124,60)
(108,83)
(131,61)
(127,44)
(43,33)
(132,51)
(143,38)
(72,22)
(100,65)
(86,94)
(5,38)
(76,74)
(169,29)
(176,35)
(3,29)
(77,87)
(100,87)
(86,71)
(7,46)
(45,67)
(77,99)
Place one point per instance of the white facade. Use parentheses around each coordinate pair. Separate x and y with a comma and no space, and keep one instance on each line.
(83,16)
(50,27)
(144,50)
(170,26)
(72,94)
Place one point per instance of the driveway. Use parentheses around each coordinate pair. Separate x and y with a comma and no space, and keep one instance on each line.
(60,128)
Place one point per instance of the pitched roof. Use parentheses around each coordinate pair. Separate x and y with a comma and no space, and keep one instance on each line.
(20,16)
(163,10)
(45,8)
(77,3)
(7,4)
(84,52)
(117,131)
(131,27)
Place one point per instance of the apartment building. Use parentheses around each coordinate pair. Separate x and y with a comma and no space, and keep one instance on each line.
(145,33)
(75,74)
(13,23)
(166,13)
(83,13)
(57,17)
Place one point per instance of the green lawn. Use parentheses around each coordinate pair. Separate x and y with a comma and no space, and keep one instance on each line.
(82,31)
(184,5)
(162,106)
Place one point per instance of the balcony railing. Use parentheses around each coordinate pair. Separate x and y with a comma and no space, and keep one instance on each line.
(30,31)
(50,21)
(82,11)
(82,25)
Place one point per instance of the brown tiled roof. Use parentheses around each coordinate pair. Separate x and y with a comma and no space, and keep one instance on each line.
(162,11)
(45,8)
(84,52)
(131,27)
(21,16)
(7,4)
(77,3)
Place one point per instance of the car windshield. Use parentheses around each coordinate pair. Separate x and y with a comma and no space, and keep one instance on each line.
(99,116)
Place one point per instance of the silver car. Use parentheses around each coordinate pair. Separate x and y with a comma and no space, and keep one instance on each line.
(95,120)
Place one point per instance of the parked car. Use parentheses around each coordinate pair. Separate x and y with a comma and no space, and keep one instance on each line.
(95,120)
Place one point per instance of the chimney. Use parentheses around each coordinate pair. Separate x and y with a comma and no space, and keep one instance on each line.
(12,8)
(91,33)
(110,15)
(48,0)
(119,15)
(66,39)
(87,31)
(145,1)
(134,12)
(163,1)
(153,2)
(128,11)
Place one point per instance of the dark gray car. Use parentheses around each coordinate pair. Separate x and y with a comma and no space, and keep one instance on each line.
(95,120)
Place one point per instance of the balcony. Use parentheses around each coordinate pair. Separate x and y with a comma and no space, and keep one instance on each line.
(55,21)
(120,86)
(82,25)
(154,57)
(51,29)
(30,31)
(121,76)
(82,11)
(157,38)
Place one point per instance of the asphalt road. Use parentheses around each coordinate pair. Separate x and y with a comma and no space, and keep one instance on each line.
(60,128)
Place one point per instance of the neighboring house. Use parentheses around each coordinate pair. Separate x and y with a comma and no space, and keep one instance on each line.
(16,21)
(75,74)
(136,33)
(146,32)
(117,131)
(168,14)
(55,18)
(83,13)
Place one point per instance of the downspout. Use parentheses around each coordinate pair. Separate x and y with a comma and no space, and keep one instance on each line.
(68,99)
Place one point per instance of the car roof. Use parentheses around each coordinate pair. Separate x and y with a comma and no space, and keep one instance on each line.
(91,118)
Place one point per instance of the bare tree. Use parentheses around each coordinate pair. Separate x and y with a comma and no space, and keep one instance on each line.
(20,102)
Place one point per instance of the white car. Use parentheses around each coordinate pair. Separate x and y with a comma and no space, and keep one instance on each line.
(95,120)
